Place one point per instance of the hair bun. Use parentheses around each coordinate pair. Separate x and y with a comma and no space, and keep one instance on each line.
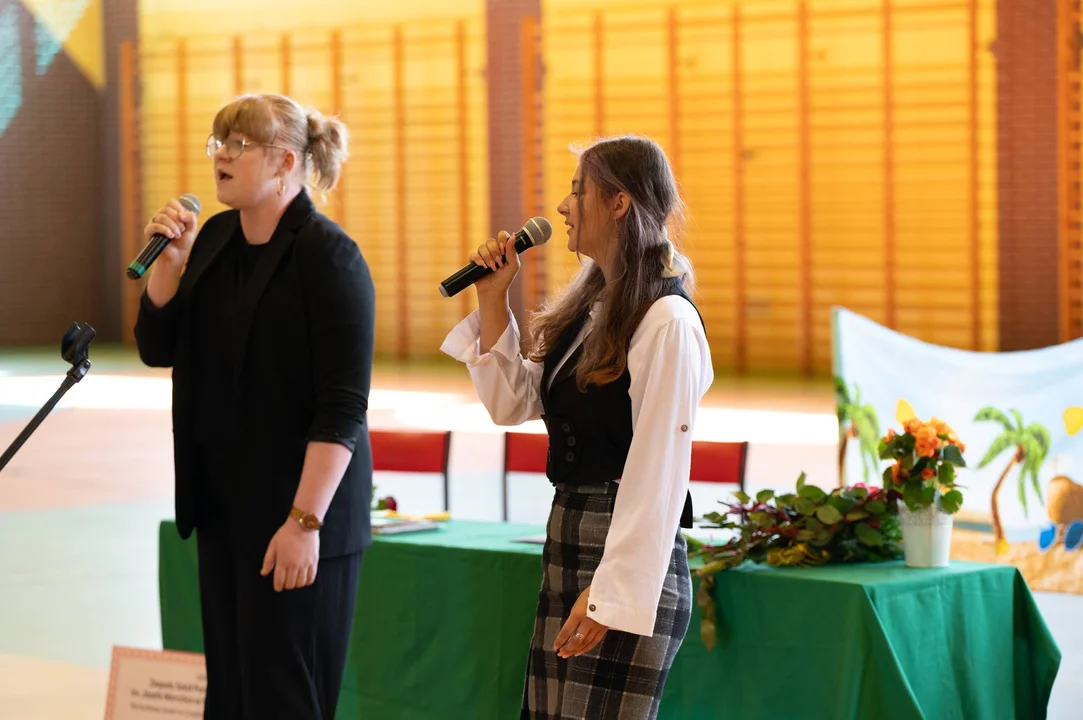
(317,125)
(327,142)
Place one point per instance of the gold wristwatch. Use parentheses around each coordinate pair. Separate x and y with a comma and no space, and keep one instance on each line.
(307,520)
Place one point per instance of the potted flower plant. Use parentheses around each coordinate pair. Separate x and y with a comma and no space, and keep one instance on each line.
(925,457)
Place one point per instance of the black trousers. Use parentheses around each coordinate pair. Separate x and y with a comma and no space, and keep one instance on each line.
(272,654)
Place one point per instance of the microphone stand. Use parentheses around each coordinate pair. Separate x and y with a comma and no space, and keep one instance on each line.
(74,348)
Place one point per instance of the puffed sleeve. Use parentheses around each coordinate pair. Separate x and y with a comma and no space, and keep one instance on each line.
(507,384)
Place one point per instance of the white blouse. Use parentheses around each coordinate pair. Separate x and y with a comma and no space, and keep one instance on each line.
(669,362)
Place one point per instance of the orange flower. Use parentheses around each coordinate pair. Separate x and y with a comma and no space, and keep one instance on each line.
(913,425)
(940,426)
(890,435)
(926,443)
(896,473)
(928,473)
(953,439)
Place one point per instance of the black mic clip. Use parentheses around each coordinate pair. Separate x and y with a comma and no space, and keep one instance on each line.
(75,349)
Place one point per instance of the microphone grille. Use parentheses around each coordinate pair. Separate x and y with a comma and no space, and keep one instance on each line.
(190,202)
(539,229)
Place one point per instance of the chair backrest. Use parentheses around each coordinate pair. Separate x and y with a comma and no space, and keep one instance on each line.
(412,451)
(719,462)
(525,453)
(712,462)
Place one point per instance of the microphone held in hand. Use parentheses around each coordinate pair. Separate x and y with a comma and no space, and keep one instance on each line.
(157,242)
(537,231)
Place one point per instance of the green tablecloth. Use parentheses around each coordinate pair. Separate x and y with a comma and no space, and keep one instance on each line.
(444,619)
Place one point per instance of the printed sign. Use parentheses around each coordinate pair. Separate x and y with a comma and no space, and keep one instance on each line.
(155,684)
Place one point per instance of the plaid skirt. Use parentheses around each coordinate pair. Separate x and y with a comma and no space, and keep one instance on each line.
(622,677)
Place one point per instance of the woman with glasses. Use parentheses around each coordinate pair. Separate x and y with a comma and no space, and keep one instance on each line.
(266,316)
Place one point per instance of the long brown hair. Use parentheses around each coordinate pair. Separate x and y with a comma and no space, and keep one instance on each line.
(647,237)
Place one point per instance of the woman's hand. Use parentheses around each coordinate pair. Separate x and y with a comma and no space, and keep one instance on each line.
(499,255)
(293,554)
(178,224)
(579,633)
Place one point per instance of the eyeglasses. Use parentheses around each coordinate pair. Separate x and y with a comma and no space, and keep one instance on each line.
(234,146)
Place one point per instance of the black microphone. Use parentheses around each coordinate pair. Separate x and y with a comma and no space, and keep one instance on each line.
(158,242)
(537,231)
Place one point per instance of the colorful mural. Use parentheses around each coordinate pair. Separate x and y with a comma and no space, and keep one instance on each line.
(1015,413)
(73,27)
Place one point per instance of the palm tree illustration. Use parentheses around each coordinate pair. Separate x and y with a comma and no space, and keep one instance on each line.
(1030,446)
(860,422)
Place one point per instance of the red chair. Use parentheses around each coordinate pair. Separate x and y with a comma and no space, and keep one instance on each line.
(525,453)
(412,451)
(712,462)
(719,462)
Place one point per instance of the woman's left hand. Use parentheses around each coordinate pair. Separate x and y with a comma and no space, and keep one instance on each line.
(579,633)
(293,554)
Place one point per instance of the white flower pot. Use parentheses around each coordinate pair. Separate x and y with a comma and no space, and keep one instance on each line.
(926,536)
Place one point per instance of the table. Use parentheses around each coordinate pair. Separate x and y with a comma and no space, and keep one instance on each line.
(444,620)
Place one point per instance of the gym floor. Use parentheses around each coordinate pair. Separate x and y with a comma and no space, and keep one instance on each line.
(81,502)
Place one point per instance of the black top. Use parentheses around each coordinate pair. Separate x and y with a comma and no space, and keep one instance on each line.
(214,309)
(590,432)
(271,347)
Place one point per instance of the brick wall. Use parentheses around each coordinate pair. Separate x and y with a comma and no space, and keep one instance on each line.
(50,210)
(1069,168)
(508,206)
(120,24)
(1027,170)
(59,260)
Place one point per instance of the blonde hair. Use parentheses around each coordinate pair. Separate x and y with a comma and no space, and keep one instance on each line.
(271,119)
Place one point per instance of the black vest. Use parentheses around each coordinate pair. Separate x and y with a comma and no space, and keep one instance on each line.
(590,432)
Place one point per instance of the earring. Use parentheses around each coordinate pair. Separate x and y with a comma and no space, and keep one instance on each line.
(281,185)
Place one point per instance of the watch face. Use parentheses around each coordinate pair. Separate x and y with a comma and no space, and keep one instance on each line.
(308,521)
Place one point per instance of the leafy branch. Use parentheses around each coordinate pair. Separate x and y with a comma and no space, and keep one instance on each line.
(806,528)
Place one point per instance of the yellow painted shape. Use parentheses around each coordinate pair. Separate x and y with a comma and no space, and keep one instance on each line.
(78,25)
(85,45)
(904,412)
(1073,420)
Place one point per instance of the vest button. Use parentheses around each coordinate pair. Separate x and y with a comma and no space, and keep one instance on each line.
(593,607)
(684,428)
(570,456)
(571,441)
(566,427)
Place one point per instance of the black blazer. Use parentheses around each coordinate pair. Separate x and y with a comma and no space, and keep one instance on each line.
(303,350)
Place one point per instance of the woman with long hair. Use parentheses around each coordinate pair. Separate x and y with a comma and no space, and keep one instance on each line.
(616,369)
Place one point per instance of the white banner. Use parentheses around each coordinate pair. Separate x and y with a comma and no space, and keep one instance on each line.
(1017,413)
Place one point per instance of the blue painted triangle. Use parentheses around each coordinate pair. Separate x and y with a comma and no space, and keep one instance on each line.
(64,15)
(46,46)
(11,67)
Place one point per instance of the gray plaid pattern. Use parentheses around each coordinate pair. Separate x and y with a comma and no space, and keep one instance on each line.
(622,677)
